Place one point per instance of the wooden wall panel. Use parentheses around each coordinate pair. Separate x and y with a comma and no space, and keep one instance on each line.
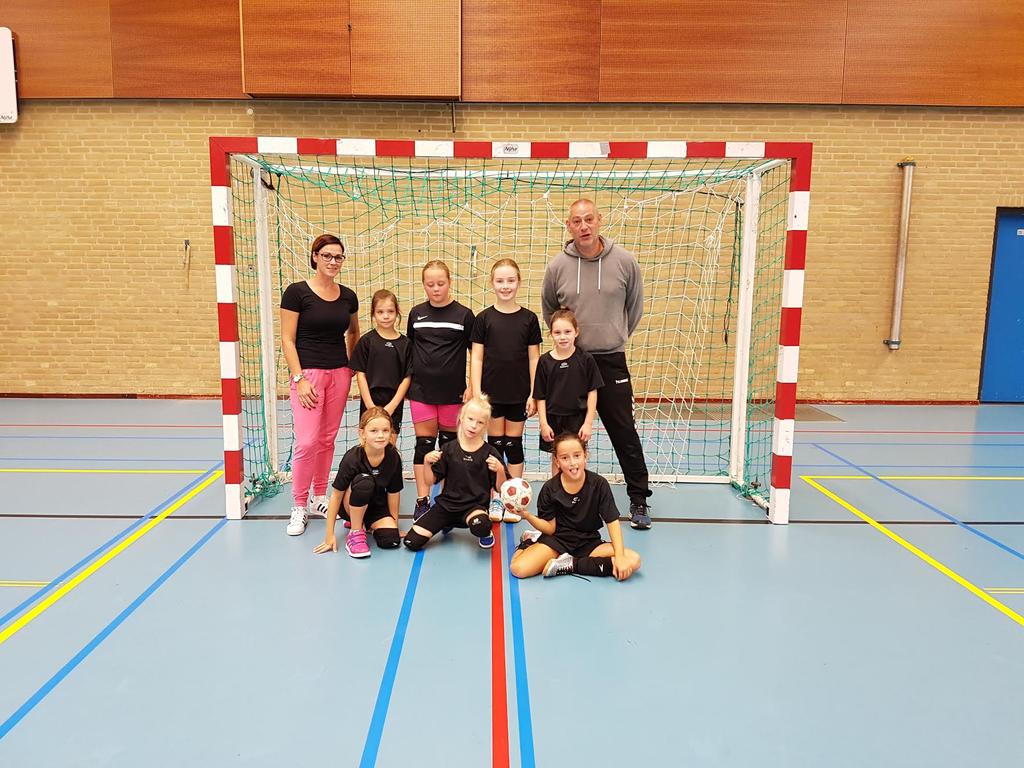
(63,48)
(296,48)
(176,49)
(955,52)
(531,51)
(406,48)
(788,51)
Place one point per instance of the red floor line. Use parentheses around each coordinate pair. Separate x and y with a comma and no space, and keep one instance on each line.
(123,426)
(499,690)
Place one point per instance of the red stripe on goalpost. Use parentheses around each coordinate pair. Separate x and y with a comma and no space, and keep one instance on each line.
(554,150)
(317,146)
(473,149)
(231,396)
(232,467)
(789,327)
(386,148)
(227,322)
(785,400)
(796,249)
(223,245)
(782,471)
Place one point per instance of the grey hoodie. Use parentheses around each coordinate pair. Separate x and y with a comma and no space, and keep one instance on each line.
(606,292)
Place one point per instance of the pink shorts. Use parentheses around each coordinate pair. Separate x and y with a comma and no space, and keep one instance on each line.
(448,415)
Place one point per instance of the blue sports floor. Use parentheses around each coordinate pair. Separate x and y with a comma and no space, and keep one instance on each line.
(883,627)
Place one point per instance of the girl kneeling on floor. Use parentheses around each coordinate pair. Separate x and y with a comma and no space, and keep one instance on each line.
(470,468)
(571,508)
(367,489)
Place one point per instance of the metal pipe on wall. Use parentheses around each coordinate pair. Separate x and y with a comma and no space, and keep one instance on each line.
(893,342)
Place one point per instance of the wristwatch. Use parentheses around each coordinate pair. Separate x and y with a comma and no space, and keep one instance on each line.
(298,377)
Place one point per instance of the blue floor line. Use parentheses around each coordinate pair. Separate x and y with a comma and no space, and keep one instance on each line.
(991,540)
(91,646)
(387,683)
(106,545)
(526,753)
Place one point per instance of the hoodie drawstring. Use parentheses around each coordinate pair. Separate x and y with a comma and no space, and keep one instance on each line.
(579,267)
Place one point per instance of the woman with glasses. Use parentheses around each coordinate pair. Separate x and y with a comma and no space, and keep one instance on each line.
(319,330)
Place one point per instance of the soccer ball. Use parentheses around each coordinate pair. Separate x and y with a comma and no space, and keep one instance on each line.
(516,495)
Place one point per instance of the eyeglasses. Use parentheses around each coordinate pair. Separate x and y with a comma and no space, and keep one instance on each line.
(337,258)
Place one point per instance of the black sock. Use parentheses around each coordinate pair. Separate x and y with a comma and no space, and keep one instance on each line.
(594,566)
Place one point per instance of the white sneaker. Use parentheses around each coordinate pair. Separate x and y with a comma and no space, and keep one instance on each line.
(529,535)
(511,517)
(297,523)
(496,510)
(319,505)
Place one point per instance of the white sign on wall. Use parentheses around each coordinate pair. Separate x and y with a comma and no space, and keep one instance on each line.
(8,93)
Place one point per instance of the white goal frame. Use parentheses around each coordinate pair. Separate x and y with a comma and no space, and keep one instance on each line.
(797,154)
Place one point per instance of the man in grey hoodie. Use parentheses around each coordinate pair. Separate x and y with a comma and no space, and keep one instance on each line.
(601,283)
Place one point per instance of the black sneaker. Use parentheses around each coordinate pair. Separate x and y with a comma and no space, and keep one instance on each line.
(422,505)
(639,515)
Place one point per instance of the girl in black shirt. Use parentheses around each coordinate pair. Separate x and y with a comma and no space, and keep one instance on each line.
(572,507)
(382,361)
(471,469)
(367,489)
(439,330)
(506,346)
(319,329)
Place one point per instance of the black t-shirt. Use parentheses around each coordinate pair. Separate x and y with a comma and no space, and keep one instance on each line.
(563,385)
(583,512)
(468,479)
(387,476)
(440,337)
(384,362)
(320,337)
(506,336)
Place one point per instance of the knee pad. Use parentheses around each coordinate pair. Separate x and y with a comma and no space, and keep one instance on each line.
(479,525)
(443,438)
(514,450)
(415,540)
(386,538)
(498,443)
(360,490)
(424,445)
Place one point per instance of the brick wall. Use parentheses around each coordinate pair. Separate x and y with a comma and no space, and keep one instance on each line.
(98,197)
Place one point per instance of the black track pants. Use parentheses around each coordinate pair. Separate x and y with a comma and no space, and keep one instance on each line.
(615,407)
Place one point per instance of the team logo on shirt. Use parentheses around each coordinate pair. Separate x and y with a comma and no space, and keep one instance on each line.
(423,317)
(574,500)
(389,344)
(467,458)
(374,471)
(565,364)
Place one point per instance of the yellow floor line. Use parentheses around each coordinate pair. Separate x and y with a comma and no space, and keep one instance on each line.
(54,471)
(69,585)
(975,590)
(911,477)
(1005,590)
(9,583)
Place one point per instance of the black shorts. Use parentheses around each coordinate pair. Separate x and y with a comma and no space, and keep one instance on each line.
(375,511)
(576,544)
(441,516)
(381,396)
(509,412)
(561,424)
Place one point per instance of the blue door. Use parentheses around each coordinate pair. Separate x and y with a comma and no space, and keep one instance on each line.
(1002,369)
